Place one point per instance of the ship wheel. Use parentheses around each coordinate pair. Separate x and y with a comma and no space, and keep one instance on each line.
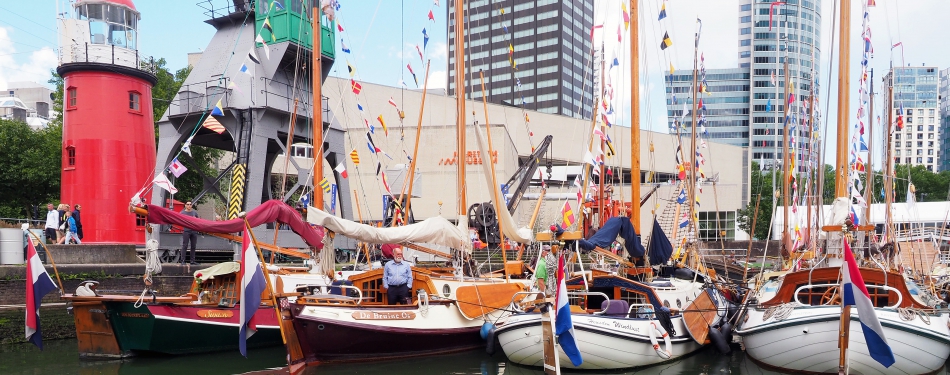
(831,297)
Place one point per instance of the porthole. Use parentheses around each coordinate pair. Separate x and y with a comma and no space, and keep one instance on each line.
(446,290)
(666,303)
(679,304)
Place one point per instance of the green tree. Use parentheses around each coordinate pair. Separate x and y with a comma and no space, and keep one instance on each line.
(760,186)
(31,161)
(57,82)
(204,158)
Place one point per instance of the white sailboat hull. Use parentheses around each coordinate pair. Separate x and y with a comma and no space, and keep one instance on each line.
(605,343)
(807,341)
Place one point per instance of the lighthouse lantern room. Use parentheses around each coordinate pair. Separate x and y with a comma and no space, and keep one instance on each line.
(108,126)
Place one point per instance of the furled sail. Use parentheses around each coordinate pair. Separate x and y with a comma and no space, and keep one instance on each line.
(505,222)
(435,230)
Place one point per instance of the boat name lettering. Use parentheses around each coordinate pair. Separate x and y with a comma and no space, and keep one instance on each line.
(97,311)
(215,314)
(384,315)
(134,315)
(616,324)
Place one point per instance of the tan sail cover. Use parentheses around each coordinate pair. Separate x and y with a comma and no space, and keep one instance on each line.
(435,230)
(505,222)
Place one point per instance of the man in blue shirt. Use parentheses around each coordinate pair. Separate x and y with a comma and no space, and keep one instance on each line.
(397,279)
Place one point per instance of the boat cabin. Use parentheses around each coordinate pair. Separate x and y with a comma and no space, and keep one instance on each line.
(366,289)
(820,286)
(613,295)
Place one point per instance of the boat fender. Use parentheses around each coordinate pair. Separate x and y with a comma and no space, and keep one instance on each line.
(733,309)
(719,341)
(487,326)
(491,342)
(657,330)
(726,330)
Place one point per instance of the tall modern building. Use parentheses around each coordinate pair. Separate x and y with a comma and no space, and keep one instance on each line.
(915,92)
(746,108)
(547,40)
(943,116)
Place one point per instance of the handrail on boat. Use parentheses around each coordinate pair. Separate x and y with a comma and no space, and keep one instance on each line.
(359,292)
(647,305)
(900,298)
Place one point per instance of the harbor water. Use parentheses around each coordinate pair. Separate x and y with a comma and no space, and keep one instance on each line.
(61,357)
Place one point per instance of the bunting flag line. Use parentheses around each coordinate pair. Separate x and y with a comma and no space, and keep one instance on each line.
(162,181)
(386,182)
(341,169)
(420,54)
(345,49)
(626,15)
(567,216)
(350,69)
(355,157)
(392,102)
(217,110)
(667,42)
(431,16)
(260,40)
(339,27)
(186,147)
(371,144)
(413,74)
(383,123)
(425,38)
(177,168)
(267,27)
(212,124)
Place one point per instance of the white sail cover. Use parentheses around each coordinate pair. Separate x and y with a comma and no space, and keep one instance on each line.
(505,222)
(435,230)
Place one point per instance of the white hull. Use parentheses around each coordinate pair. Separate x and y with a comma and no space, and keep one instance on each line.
(605,343)
(807,341)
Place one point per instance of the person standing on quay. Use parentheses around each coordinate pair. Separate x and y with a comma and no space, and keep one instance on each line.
(78,221)
(71,229)
(52,224)
(61,230)
(189,235)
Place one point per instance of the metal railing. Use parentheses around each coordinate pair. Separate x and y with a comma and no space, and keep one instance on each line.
(202,96)
(221,8)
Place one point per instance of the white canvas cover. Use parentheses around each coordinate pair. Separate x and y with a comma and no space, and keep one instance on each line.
(435,230)
(505,222)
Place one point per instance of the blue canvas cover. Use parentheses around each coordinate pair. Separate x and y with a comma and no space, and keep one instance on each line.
(605,236)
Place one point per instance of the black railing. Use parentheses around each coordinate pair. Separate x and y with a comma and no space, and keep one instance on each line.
(202,96)
(221,8)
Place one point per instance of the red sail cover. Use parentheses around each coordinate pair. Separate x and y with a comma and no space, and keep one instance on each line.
(268,212)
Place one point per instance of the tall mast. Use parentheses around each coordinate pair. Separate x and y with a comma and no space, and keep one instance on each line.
(844,99)
(635,115)
(785,160)
(889,163)
(692,143)
(460,105)
(317,81)
(869,172)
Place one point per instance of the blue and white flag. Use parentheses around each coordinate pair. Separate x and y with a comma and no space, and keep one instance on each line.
(563,326)
(856,293)
(252,285)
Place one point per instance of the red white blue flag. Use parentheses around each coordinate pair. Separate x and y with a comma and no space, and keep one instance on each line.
(856,293)
(563,326)
(252,285)
(38,284)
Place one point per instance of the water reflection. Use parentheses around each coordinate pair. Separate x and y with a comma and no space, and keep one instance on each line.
(61,357)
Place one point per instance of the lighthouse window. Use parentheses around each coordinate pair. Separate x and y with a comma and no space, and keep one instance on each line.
(71,156)
(71,94)
(134,101)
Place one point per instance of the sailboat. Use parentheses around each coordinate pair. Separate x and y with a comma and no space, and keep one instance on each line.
(631,317)
(794,318)
(354,322)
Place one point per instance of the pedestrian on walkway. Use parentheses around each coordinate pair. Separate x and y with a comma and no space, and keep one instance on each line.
(78,221)
(52,224)
(71,229)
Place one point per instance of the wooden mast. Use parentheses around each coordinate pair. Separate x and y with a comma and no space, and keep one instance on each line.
(841,166)
(786,161)
(868,171)
(317,125)
(635,116)
(415,151)
(460,106)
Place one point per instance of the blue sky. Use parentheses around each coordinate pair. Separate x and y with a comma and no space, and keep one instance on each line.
(382,35)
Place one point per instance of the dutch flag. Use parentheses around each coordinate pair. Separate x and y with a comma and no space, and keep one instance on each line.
(252,285)
(563,326)
(39,284)
(855,293)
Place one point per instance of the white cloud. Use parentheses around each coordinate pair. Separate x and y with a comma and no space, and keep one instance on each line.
(438,79)
(35,69)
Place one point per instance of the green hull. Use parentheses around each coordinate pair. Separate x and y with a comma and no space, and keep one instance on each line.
(138,329)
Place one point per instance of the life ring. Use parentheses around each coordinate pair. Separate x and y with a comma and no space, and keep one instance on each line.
(658,330)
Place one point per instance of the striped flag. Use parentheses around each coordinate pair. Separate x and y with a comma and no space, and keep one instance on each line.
(38,285)
(392,102)
(856,293)
(252,285)
(355,157)
(325,185)
(385,182)
(563,326)
(212,124)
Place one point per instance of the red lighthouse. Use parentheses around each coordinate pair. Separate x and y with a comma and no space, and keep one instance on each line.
(108,130)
